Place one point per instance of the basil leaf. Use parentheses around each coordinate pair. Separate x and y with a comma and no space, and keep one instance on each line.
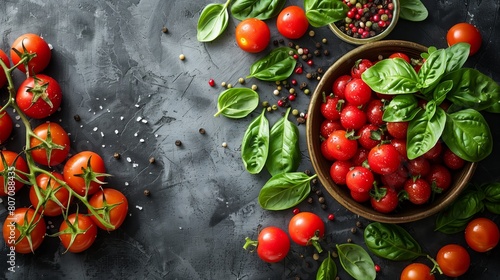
(261,9)
(276,66)
(237,103)
(493,207)
(432,71)
(391,242)
(212,22)
(468,135)
(472,89)
(492,192)
(285,190)
(356,261)
(441,90)
(323,12)
(391,76)
(284,150)
(424,130)
(457,56)
(255,144)
(413,10)
(455,217)
(402,108)
(327,270)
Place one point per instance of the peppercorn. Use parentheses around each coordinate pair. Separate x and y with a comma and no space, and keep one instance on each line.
(353,230)
(321,200)
(310,200)
(311,33)
(324,207)
(326,52)
(320,70)
(254,87)
(309,75)
(359,224)
(152,160)
(303,85)
(164,29)
(241,80)
(301,120)
(315,256)
(116,155)
(349,240)
(178,142)
(182,57)
(281,41)
(147,192)
(275,42)
(317,53)
(291,44)
(319,192)
(201,131)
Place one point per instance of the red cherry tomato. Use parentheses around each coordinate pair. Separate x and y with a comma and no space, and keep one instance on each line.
(417,271)
(329,126)
(482,234)
(330,108)
(357,92)
(388,203)
(419,166)
(112,206)
(29,44)
(384,159)
(6,126)
(58,136)
(58,195)
(374,112)
(15,165)
(453,259)
(273,244)
(305,228)
(400,55)
(369,136)
(360,179)
(292,22)
(359,67)
(253,35)
(467,33)
(339,85)
(39,97)
(397,129)
(339,170)
(28,224)
(451,160)
(339,146)
(85,233)
(419,190)
(439,175)
(5,59)
(83,165)
(352,117)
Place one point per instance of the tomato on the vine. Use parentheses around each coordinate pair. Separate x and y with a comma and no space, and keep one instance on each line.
(56,150)
(26,225)
(272,244)
(6,126)
(292,22)
(253,35)
(482,234)
(5,59)
(39,97)
(417,271)
(30,44)
(466,33)
(84,172)
(16,169)
(77,233)
(111,205)
(453,259)
(306,228)
(57,195)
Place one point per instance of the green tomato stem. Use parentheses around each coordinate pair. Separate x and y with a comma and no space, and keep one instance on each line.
(249,242)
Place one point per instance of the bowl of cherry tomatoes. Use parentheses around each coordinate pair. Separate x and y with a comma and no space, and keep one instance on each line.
(361,160)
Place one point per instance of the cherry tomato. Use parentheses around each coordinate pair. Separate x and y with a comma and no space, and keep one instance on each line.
(339,146)
(359,67)
(482,234)
(352,117)
(6,126)
(58,139)
(57,195)
(435,152)
(360,197)
(417,271)
(29,44)
(375,111)
(253,35)
(5,59)
(388,203)
(11,173)
(400,55)
(329,126)
(453,259)
(305,228)
(39,97)
(360,156)
(273,244)
(451,160)
(357,92)
(292,22)
(419,166)
(339,170)
(440,176)
(369,136)
(330,108)
(395,180)
(397,129)
(24,222)
(83,165)
(400,145)
(467,33)
(384,159)
(419,191)
(360,179)
(112,206)
(82,228)
(339,85)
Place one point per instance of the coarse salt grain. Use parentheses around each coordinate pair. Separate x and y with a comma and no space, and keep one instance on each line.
(129,159)
(138,207)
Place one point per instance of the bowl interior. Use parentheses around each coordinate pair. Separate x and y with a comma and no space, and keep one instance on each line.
(408,213)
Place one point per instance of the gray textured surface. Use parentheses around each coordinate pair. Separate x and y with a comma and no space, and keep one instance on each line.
(115,66)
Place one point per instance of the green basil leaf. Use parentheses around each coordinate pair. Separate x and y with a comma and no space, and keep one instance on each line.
(391,242)
(255,144)
(402,108)
(424,130)
(413,10)
(493,207)
(432,71)
(327,270)
(441,90)
(285,190)
(472,89)
(492,192)
(276,66)
(284,151)
(237,103)
(321,13)
(261,9)
(391,76)
(457,215)
(212,22)
(456,56)
(468,135)
(356,261)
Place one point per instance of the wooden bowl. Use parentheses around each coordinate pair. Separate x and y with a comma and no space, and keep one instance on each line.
(359,41)
(342,66)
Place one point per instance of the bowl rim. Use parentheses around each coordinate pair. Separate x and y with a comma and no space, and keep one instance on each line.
(324,177)
(358,41)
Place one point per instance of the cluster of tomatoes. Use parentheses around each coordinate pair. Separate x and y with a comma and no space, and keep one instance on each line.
(369,155)
(253,35)
(58,182)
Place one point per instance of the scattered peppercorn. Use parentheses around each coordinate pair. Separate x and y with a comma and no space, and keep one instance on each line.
(334,254)
(314,181)
(202,131)
(223,84)
(377,268)
(315,256)
(321,199)
(254,87)
(152,160)
(241,80)
(319,192)
(353,230)
(164,29)
(331,217)
(147,192)
(291,44)
(224,144)
(211,82)
(77,118)
(295,112)
(182,57)
(275,42)
(296,211)
(116,155)
(310,200)
(324,40)
(178,142)
(359,224)
(281,41)
(312,33)
(326,52)
(301,120)
(324,207)
(349,240)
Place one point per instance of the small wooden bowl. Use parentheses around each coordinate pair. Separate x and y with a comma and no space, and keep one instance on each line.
(407,213)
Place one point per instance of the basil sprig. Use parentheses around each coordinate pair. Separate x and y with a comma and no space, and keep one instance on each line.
(441,77)
(412,10)
(327,270)
(255,144)
(237,103)
(212,22)
(285,190)
(323,12)
(278,65)
(261,9)
(356,261)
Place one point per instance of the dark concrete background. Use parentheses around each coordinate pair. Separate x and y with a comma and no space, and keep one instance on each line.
(115,66)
